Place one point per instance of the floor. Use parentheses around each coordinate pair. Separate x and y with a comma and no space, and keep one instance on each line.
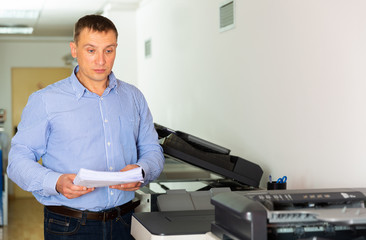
(25,220)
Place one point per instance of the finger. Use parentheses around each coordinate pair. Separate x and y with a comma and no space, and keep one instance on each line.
(86,190)
(130,187)
(123,187)
(79,188)
(74,194)
(129,167)
(126,185)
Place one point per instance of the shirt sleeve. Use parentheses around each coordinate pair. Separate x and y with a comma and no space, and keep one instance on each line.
(28,146)
(150,153)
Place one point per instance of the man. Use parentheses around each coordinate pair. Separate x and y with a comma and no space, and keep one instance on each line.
(90,120)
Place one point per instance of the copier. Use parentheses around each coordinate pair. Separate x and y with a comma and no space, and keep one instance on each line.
(196,169)
(316,214)
(178,203)
(324,214)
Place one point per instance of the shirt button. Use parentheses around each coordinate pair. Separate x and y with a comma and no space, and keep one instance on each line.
(108,143)
(101,98)
(111,193)
(106,120)
(110,168)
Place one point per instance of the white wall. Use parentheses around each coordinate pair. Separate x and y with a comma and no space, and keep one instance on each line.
(27,53)
(285,88)
(124,18)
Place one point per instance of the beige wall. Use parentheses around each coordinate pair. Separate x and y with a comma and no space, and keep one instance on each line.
(25,81)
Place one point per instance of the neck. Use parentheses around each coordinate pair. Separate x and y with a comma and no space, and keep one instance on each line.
(96,87)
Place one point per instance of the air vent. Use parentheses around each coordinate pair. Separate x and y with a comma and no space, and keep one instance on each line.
(148,48)
(227,15)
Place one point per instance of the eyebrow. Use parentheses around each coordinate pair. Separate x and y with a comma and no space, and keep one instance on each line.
(91,45)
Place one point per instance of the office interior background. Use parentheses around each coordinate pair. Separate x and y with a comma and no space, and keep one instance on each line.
(284,88)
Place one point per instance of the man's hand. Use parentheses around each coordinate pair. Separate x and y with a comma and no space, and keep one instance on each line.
(66,187)
(128,186)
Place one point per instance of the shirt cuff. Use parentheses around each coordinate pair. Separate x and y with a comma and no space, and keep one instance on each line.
(145,170)
(49,184)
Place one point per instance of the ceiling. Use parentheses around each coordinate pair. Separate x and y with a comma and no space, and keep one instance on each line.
(56,18)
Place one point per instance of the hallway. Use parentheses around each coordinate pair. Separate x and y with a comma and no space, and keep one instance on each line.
(25,220)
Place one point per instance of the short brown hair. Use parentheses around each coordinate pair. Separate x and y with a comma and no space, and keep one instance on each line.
(95,23)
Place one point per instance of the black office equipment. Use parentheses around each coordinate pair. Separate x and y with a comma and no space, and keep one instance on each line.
(209,156)
(331,214)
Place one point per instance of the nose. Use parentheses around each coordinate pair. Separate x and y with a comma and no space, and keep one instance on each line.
(101,59)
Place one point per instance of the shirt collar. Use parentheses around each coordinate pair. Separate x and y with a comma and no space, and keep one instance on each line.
(112,83)
(76,85)
(80,89)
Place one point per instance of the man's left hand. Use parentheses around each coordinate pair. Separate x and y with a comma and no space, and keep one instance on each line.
(128,186)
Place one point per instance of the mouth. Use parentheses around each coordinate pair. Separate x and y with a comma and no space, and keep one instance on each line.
(99,70)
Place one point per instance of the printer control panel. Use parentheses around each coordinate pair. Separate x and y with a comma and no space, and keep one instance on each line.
(304,197)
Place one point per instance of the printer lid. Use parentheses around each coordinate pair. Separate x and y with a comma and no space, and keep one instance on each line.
(209,156)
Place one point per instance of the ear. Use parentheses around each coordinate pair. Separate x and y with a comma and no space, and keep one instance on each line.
(73,49)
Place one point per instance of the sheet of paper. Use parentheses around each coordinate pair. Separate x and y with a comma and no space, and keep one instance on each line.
(90,178)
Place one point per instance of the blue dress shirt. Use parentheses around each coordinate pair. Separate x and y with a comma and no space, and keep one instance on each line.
(70,128)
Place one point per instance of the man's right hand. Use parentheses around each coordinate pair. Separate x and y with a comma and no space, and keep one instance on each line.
(66,187)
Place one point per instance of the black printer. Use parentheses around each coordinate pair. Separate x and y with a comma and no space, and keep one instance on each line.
(315,214)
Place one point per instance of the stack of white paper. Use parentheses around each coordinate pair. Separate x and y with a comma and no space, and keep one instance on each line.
(90,178)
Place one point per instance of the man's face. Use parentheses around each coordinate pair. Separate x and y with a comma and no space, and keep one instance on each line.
(95,52)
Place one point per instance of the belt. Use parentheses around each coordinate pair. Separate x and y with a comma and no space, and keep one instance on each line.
(105,215)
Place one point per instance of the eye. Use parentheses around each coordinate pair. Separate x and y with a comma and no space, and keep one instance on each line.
(109,51)
(90,51)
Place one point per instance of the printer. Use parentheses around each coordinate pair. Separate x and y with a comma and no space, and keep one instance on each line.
(324,214)
(198,168)
(178,203)
(315,214)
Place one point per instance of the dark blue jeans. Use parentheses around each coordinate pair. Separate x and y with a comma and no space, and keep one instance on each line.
(59,227)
